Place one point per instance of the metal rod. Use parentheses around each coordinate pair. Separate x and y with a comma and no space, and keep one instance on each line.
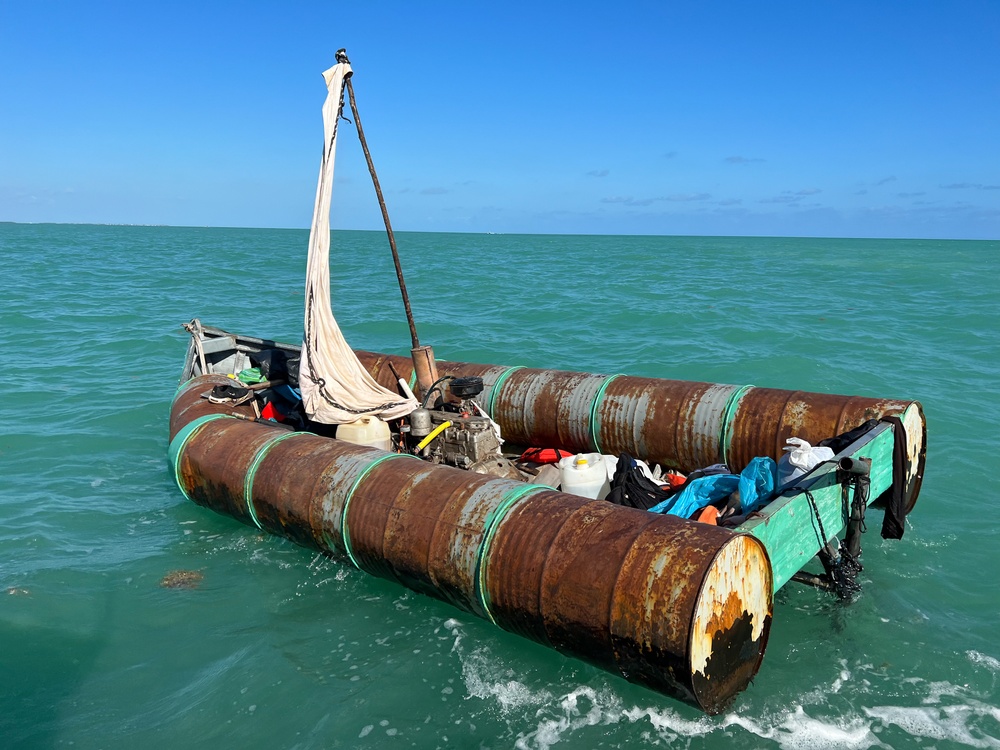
(810,579)
(342,57)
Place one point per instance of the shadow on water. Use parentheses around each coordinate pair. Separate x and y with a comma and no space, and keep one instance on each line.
(47,650)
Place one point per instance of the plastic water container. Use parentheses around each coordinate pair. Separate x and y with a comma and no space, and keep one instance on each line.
(366,431)
(584,474)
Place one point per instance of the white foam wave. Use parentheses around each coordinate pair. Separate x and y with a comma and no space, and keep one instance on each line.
(583,707)
(560,717)
(487,678)
(945,723)
(796,730)
(510,694)
(790,730)
(949,712)
(983,660)
(669,724)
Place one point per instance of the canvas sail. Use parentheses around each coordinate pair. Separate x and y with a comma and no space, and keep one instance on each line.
(335,386)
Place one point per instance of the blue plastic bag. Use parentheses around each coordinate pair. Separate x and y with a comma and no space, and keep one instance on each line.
(756,485)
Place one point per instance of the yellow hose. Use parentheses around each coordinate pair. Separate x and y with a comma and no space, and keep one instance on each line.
(433,434)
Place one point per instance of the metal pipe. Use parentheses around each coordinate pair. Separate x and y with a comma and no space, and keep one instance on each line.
(681,607)
(856,473)
(425,366)
(855,467)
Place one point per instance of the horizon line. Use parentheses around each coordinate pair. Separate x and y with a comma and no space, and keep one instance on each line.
(497,234)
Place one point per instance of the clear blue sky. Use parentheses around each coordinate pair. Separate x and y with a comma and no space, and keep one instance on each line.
(852,119)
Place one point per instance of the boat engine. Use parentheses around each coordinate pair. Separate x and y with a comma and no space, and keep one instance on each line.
(458,432)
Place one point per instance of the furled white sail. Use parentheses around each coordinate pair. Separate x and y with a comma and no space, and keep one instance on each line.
(335,386)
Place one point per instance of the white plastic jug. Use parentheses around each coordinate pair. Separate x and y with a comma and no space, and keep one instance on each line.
(366,431)
(800,458)
(584,474)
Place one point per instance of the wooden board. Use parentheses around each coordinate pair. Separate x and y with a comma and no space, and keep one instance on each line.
(788,527)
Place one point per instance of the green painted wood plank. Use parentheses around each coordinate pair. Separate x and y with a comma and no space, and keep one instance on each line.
(788,527)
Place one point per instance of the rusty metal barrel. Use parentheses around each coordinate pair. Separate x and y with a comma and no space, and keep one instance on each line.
(680,424)
(681,607)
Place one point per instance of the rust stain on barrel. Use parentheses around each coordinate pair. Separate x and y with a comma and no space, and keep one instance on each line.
(410,523)
(657,420)
(677,423)
(732,622)
(369,511)
(579,577)
(767,417)
(188,404)
(628,610)
(377,366)
(681,607)
(459,537)
(529,404)
(513,572)
(366,515)
(655,600)
(617,587)
(214,466)
(290,485)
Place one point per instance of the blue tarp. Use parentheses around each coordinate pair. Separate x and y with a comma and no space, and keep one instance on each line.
(756,484)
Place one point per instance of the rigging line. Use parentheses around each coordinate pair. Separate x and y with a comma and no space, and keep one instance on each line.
(342,57)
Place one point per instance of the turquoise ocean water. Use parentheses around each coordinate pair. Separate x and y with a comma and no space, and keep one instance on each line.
(280,648)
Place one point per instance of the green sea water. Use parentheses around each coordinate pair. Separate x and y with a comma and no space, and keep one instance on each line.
(280,648)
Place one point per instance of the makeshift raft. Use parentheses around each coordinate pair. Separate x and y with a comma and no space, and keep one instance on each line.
(679,606)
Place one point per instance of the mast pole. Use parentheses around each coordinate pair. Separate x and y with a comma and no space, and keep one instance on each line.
(423,356)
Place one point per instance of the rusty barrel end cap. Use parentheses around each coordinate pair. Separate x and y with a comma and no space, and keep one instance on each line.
(732,620)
